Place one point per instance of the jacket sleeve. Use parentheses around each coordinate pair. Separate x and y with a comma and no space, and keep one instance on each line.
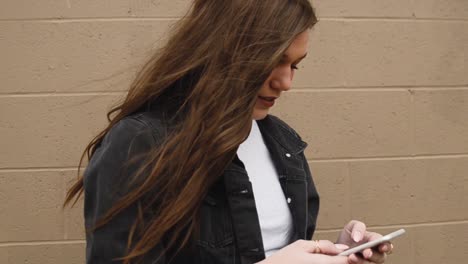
(313,200)
(104,180)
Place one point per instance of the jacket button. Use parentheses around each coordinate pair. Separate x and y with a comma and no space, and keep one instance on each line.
(289,200)
(288,155)
(244,191)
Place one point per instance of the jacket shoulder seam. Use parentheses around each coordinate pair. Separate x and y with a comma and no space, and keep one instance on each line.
(145,124)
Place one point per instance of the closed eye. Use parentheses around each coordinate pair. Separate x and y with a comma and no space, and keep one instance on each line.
(294,65)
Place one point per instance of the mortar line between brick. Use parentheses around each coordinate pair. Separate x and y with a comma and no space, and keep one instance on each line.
(294,90)
(404,225)
(69,242)
(143,18)
(389,19)
(39,169)
(415,157)
(66,219)
(89,19)
(376,88)
(412,124)
(349,189)
(40,243)
(46,94)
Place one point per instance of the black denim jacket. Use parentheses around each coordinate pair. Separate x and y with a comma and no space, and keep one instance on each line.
(229,225)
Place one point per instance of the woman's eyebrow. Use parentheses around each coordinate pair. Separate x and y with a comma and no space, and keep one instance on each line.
(285,56)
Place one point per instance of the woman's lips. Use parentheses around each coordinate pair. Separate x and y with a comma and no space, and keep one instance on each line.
(267,101)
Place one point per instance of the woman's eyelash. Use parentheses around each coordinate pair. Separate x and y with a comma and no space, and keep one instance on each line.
(293,66)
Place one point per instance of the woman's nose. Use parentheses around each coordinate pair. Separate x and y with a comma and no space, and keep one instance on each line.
(282,80)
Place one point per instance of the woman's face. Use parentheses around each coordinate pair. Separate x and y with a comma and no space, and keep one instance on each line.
(281,77)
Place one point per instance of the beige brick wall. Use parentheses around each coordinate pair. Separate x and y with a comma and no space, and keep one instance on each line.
(382,101)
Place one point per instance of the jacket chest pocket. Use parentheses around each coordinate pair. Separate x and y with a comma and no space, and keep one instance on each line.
(216,239)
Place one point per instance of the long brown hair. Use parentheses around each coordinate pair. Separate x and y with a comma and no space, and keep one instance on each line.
(213,65)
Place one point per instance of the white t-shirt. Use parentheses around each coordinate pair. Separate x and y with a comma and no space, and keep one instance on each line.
(273,211)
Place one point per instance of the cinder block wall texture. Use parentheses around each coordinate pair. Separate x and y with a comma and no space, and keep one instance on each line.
(382,101)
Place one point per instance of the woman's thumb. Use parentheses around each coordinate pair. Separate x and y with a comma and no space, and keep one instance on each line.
(329,248)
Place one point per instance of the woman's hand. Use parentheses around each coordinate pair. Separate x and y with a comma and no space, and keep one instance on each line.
(307,252)
(354,233)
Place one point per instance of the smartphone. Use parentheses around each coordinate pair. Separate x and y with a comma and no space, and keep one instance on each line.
(373,243)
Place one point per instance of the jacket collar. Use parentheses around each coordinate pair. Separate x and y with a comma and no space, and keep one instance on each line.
(271,126)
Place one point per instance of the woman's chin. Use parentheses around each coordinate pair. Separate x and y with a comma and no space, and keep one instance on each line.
(259,114)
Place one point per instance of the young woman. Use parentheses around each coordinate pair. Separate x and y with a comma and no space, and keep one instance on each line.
(193,169)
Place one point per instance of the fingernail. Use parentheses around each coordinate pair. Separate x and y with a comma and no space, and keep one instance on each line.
(369,254)
(384,248)
(341,246)
(357,236)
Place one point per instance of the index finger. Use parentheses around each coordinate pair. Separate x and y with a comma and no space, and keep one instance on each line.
(385,247)
(371,236)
